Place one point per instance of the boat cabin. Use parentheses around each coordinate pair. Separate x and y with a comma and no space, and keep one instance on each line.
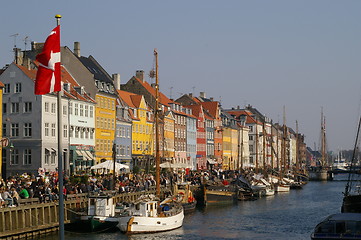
(101,205)
(145,209)
(339,226)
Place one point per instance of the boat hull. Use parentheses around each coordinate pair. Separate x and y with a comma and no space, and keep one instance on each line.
(220,197)
(139,224)
(283,188)
(351,204)
(97,223)
(189,207)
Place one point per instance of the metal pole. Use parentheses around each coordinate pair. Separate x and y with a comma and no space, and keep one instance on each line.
(60,159)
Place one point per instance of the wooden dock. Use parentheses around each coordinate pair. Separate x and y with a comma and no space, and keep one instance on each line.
(32,219)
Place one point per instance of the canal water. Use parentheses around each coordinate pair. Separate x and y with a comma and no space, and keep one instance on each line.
(283,216)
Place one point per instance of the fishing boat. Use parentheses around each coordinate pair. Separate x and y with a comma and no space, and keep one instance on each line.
(188,201)
(101,214)
(148,214)
(220,194)
(343,226)
(352,195)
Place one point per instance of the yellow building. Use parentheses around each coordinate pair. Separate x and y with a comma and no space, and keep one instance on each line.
(168,148)
(227,148)
(234,165)
(142,129)
(105,112)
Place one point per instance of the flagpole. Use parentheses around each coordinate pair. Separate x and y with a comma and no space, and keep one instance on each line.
(60,159)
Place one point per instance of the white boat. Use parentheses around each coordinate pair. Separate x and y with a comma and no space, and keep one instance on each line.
(101,214)
(281,187)
(148,215)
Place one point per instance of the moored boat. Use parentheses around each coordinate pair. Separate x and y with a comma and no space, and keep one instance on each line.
(148,215)
(222,194)
(188,201)
(101,214)
(344,226)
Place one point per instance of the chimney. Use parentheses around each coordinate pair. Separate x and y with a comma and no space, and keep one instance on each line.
(190,94)
(152,85)
(116,80)
(140,75)
(211,98)
(202,94)
(77,49)
(238,107)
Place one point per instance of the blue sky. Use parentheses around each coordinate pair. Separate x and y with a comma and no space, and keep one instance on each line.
(303,55)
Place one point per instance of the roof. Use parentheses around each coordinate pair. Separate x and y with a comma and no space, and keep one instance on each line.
(94,67)
(163,99)
(131,99)
(211,107)
(240,112)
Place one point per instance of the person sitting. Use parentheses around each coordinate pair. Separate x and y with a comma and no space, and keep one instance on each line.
(23,193)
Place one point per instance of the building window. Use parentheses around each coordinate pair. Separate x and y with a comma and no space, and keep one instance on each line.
(14,160)
(27,157)
(81,112)
(53,156)
(7,88)
(91,111)
(64,110)
(28,107)
(27,130)
(86,111)
(53,129)
(46,108)
(47,156)
(14,107)
(77,132)
(46,126)
(91,134)
(4,129)
(65,131)
(53,107)
(76,109)
(15,129)
(17,88)
(4,107)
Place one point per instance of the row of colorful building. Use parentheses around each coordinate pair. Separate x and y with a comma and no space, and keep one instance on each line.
(101,115)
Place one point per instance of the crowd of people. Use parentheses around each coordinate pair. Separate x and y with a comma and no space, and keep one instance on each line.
(45,186)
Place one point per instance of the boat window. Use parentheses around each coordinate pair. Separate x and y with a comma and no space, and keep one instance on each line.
(151,206)
(327,227)
(340,227)
(137,206)
(92,202)
(158,222)
(353,228)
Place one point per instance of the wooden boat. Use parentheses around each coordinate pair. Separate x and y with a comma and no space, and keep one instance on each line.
(147,215)
(344,226)
(101,214)
(220,194)
(188,201)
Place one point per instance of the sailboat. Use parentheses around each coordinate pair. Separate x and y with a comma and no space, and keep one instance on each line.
(282,185)
(352,195)
(148,214)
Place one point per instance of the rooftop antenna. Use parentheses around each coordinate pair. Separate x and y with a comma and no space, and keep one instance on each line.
(170,95)
(14,36)
(26,39)
(14,49)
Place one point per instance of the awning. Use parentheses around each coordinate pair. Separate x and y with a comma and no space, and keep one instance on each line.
(211,161)
(89,155)
(80,154)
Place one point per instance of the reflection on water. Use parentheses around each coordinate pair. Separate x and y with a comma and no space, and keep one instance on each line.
(283,216)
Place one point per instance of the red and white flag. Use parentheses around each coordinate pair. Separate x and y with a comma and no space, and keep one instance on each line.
(48,78)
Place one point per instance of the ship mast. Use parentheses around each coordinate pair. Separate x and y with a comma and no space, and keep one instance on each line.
(156,115)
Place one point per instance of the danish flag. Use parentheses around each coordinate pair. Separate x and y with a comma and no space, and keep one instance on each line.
(48,78)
